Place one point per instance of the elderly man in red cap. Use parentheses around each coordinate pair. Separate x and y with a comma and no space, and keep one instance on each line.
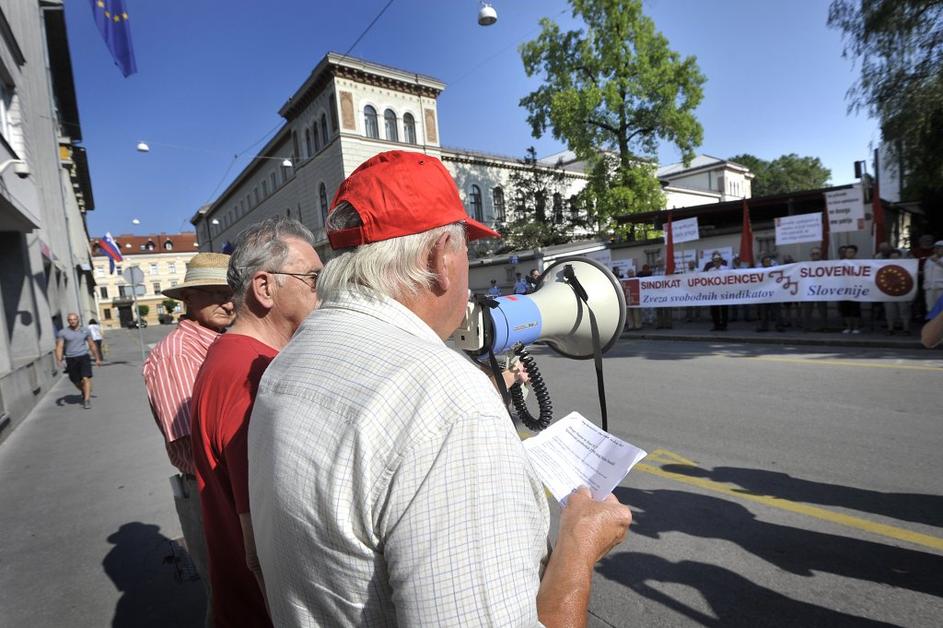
(169,373)
(387,483)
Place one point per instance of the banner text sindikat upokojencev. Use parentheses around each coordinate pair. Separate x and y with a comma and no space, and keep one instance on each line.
(837,280)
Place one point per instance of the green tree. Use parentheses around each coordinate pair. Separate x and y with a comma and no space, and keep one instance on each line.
(787,173)
(169,305)
(899,47)
(144,310)
(613,91)
(538,213)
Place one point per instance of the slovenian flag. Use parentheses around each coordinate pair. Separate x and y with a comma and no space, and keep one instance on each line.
(109,247)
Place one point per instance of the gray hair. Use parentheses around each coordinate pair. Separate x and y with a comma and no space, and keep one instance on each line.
(395,268)
(262,246)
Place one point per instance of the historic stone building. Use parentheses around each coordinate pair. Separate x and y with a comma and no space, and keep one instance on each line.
(162,259)
(350,109)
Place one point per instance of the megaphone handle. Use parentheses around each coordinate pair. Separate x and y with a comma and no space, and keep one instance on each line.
(597,360)
(570,277)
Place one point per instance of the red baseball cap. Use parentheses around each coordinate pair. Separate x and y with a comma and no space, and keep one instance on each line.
(399,193)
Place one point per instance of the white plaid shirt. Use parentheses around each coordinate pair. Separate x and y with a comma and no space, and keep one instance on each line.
(387,483)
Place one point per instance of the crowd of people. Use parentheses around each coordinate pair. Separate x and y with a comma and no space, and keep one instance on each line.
(891,318)
(338,463)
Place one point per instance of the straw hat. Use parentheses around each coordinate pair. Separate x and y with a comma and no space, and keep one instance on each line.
(204,269)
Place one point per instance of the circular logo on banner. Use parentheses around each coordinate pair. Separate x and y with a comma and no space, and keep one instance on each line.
(894,281)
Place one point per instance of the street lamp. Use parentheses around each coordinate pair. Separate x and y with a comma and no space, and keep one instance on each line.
(143,147)
(487,15)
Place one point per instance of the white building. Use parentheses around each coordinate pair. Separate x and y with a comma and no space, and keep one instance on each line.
(45,190)
(348,110)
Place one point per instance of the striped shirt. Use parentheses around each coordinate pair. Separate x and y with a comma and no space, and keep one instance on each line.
(169,373)
(386,481)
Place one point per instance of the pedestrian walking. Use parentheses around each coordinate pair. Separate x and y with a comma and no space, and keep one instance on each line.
(96,331)
(75,344)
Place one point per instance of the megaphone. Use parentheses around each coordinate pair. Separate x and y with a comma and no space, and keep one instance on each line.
(556,314)
(578,310)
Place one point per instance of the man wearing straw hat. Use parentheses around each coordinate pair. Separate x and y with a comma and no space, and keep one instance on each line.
(169,374)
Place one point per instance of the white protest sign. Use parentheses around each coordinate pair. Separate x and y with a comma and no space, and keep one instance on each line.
(726,252)
(684,230)
(798,229)
(623,266)
(845,209)
(682,259)
(574,452)
(833,280)
(603,256)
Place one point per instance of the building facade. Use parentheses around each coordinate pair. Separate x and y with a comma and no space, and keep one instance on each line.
(162,259)
(45,190)
(350,109)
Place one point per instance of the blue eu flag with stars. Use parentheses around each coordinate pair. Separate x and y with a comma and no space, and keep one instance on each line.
(112,21)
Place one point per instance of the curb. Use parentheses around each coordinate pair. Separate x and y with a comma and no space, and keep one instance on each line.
(772,339)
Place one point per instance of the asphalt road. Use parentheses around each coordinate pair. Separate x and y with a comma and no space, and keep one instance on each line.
(784,487)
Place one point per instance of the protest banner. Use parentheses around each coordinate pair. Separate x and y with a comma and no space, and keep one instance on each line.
(833,280)
(798,229)
(685,230)
(845,209)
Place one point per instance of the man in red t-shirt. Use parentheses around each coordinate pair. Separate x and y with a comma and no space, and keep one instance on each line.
(273,273)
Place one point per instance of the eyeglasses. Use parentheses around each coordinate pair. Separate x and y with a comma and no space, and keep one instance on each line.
(310,279)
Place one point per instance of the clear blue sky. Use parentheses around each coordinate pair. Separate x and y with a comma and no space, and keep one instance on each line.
(213,73)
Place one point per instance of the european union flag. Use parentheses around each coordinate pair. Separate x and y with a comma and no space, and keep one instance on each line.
(112,20)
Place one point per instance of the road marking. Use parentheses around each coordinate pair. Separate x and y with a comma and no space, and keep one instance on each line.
(909,367)
(881,529)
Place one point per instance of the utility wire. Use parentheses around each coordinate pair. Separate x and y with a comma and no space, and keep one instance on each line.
(367,30)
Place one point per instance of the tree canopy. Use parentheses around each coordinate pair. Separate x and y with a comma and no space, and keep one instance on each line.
(899,46)
(613,91)
(539,215)
(787,173)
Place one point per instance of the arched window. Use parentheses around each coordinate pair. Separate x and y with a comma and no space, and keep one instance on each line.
(409,128)
(370,122)
(557,208)
(168,245)
(474,201)
(324,128)
(308,147)
(333,112)
(150,246)
(322,193)
(574,206)
(317,140)
(389,121)
(497,195)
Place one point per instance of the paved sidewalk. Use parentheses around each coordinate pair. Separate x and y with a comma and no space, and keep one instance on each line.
(744,332)
(86,512)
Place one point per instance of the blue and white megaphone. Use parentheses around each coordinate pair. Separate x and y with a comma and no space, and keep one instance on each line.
(555,314)
(578,310)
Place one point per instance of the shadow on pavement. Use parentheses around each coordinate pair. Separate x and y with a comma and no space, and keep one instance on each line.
(915,507)
(69,400)
(796,550)
(734,600)
(143,566)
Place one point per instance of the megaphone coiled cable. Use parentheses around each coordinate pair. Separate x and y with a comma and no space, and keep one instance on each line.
(537,384)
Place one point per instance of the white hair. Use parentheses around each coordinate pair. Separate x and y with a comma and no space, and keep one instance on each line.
(397,268)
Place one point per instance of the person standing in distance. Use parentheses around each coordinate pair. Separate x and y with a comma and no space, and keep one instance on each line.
(77,345)
(387,490)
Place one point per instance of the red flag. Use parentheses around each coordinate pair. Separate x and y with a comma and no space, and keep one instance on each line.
(746,236)
(670,248)
(825,231)
(877,210)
